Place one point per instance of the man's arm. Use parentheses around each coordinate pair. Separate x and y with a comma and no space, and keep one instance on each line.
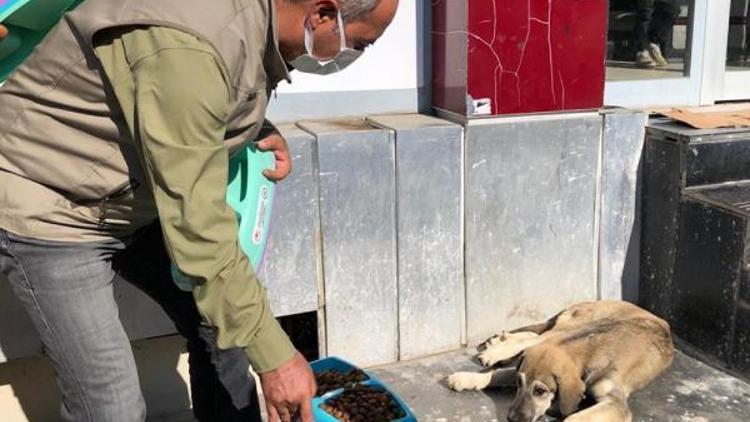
(181,128)
(175,99)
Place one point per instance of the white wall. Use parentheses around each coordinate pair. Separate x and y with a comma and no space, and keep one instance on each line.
(389,64)
(386,78)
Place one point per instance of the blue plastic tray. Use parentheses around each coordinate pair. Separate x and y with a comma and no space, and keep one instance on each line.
(336,364)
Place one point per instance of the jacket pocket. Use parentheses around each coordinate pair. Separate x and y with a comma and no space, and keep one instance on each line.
(102,209)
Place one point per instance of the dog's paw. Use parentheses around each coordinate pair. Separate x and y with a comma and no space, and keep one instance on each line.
(490,357)
(492,341)
(461,381)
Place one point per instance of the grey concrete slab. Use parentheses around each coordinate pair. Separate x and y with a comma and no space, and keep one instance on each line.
(358,222)
(420,384)
(688,392)
(292,272)
(430,233)
(531,195)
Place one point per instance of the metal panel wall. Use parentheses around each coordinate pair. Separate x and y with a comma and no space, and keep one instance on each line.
(358,222)
(430,244)
(292,272)
(531,186)
(624,133)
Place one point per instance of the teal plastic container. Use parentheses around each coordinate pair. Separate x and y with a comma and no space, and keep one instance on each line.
(8,7)
(340,365)
(28,22)
(251,196)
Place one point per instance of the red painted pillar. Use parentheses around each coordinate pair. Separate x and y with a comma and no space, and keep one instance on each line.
(497,57)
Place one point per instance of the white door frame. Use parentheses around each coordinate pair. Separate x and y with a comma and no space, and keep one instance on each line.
(736,84)
(715,52)
(720,84)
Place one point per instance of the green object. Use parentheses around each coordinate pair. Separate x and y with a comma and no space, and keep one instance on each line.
(8,7)
(250,194)
(28,22)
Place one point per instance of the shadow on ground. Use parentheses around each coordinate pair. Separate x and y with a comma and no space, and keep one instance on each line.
(28,391)
(689,392)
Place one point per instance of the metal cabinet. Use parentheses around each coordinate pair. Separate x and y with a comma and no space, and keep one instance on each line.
(358,222)
(531,203)
(292,272)
(696,237)
(429,235)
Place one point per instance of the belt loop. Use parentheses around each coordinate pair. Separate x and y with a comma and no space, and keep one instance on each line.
(4,240)
(103,208)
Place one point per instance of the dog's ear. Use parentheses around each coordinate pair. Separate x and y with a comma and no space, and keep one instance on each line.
(570,388)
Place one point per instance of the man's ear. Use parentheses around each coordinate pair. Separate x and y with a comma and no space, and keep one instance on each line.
(324,11)
(570,386)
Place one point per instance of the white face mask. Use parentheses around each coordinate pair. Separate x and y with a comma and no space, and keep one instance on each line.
(308,63)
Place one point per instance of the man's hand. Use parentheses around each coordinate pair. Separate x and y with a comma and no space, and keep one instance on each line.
(289,391)
(277,144)
(3,32)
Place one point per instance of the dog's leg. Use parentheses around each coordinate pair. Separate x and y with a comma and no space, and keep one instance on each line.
(508,349)
(459,381)
(611,406)
(523,332)
(506,337)
(609,410)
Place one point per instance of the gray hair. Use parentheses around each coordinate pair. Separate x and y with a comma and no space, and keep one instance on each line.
(353,9)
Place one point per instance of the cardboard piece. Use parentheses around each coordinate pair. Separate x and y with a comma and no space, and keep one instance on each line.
(712,117)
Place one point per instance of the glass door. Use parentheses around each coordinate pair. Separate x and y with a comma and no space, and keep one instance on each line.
(655,52)
(737,65)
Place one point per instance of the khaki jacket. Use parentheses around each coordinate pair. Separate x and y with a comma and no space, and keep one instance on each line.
(68,165)
(71,170)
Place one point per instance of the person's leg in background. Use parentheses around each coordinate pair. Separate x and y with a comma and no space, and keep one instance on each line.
(661,31)
(66,288)
(644,13)
(221,386)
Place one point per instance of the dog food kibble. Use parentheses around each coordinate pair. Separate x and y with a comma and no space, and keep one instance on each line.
(362,403)
(333,380)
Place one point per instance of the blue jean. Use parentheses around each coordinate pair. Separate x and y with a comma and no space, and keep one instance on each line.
(66,288)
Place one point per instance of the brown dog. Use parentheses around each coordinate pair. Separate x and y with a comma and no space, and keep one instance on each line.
(606,350)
